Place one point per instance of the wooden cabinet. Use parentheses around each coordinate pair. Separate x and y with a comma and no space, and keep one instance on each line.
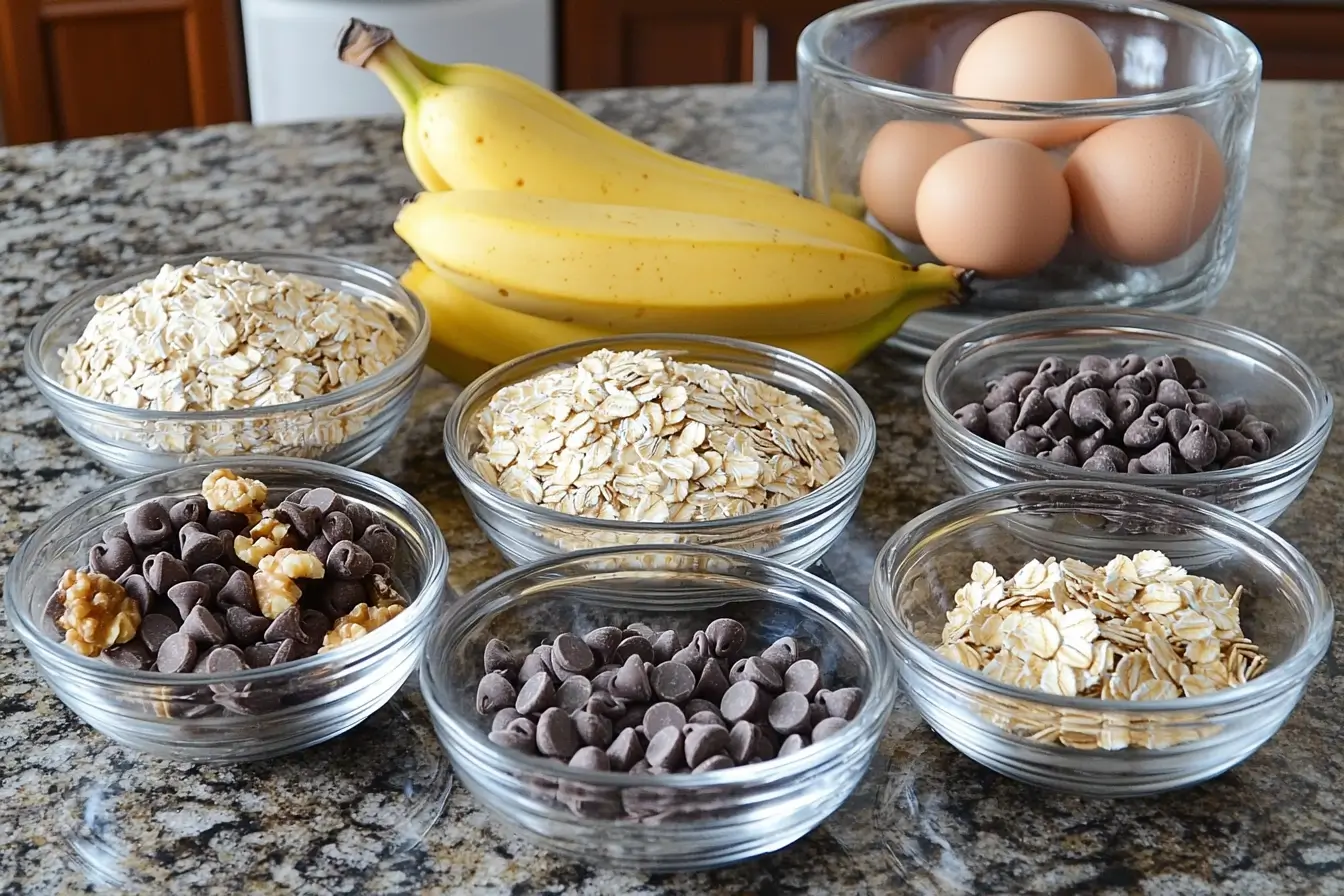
(83,68)
(640,43)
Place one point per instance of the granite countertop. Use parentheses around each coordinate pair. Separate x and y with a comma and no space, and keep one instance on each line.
(377,810)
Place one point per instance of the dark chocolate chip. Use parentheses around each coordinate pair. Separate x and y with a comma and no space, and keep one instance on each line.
(288,651)
(744,700)
(1198,447)
(1260,435)
(1149,430)
(725,637)
(513,740)
(631,682)
(573,693)
(789,713)
(134,655)
(289,624)
(238,592)
(1172,394)
(361,517)
(1178,423)
(1086,446)
(634,645)
(155,628)
(192,509)
(201,626)
(1143,384)
(745,742)
(187,596)
(304,519)
(177,653)
(137,587)
(1101,464)
(1233,411)
(1100,365)
(625,750)
(1021,443)
(380,543)
(339,597)
(221,520)
(348,561)
(556,734)
(1162,460)
(502,718)
(212,576)
(973,418)
(782,653)
(604,704)
(703,741)
(1058,426)
(667,750)
(324,499)
(499,658)
(1053,366)
(1240,460)
(673,682)
(162,571)
(493,693)
(828,728)
(536,695)
(602,642)
(803,677)
(1207,411)
(112,558)
(336,527)
(570,654)
(1126,407)
(1062,453)
(148,523)
(999,422)
(116,530)
(590,759)
(665,645)
(842,703)
(765,674)
(662,715)
(791,744)
(246,627)
(225,659)
(531,666)
(259,656)
(1033,409)
(1164,368)
(320,548)
(712,683)
(199,547)
(1089,410)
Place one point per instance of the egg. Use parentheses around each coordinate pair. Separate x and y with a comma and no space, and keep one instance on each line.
(1036,57)
(1146,189)
(898,156)
(998,207)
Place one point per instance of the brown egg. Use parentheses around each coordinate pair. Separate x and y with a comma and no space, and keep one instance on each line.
(1146,189)
(999,207)
(1036,57)
(897,158)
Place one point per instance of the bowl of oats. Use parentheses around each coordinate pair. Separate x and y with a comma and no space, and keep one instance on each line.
(215,357)
(661,439)
(230,614)
(1152,659)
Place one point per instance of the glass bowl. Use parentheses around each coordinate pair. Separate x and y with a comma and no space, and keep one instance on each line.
(797,533)
(347,426)
(1152,746)
(668,822)
(1277,386)
(862,66)
(297,704)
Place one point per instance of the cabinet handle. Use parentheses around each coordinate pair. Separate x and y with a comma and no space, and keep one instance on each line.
(760,54)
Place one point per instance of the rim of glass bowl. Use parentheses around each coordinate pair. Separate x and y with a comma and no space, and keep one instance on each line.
(422,527)
(494,595)
(908,540)
(386,286)
(857,459)
(1014,327)
(1244,72)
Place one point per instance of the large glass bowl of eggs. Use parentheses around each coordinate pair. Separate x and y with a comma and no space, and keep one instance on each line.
(1070,152)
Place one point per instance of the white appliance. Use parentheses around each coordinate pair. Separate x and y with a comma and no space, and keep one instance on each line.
(293,73)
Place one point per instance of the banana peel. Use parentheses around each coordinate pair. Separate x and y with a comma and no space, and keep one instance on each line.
(469,325)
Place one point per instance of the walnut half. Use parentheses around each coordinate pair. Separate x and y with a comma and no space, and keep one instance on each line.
(98,612)
(275,579)
(358,623)
(224,489)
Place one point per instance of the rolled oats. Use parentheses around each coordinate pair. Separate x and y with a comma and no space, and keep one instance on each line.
(1138,629)
(223,335)
(640,437)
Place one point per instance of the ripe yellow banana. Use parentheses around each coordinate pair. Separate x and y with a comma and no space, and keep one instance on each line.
(497,334)
(631,270)
(476,137)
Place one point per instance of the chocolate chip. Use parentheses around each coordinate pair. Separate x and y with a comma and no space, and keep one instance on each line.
(726,637)
(133,655)
(288,651)
(379,542)
(162,571)
(1033,408)
(999,422)
(192,509)
(828,728)
(238,592)
(1260,435)
(187,596)
(513,740)
(304,519)
(1089,410)
(1021,443)
(712,683)
(573,693)
(148,523)
(246,627)
(973,418)
(1149,430)
(745,742)
(556,734)
(842,703)
(782,653)
(1143,384)
(531,666)
(667,750)
(631,682)
(697,704)
(112,558)
(744,700)
(803,677)
(499,658)
(201,626)
(736,670)
(594,729)
(715,763)
(1162,460)
(1062,453)
(790,745)
(571,654)
(224,659)
(493,693)
(177,653)
(137,587)
(1163,367)
(221,520)
(1172,394)
(199,547)
(1101,464)
(340,596)
(765,674)
(662,715)
(259,656)
(703,741)
(324,499)
(673,682)
(1011,383)
(1233,412)
(348,561)
(788,713)
(590,759)
(503,717)
(1198,447)
(536,695)
(361,517)
(625,751)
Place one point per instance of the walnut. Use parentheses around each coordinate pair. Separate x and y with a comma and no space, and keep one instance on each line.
(358,623)
(98,612)
(275,577)
(265,538)
(226,490)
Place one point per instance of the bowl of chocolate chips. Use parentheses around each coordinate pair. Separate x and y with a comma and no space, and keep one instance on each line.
(1187,405)
(229,614)
(665,708)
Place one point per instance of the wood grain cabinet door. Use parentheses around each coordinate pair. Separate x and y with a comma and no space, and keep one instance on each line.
(84,68)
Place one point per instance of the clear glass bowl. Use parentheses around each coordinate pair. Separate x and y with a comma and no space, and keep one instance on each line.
(668,822)
(1278,387)
(347,426)
(1286,610)
(298,704)
(866,64)
(797,533)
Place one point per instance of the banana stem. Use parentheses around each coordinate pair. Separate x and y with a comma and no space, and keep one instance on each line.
(375,48)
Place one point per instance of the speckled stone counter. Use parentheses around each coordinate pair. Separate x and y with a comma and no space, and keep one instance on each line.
(376,811)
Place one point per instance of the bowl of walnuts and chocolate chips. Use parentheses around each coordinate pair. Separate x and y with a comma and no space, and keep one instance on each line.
(230,614)
(211,357)
(1182,404)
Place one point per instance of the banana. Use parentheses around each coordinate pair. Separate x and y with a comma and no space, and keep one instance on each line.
(500,334)
(453,361)
(476,137)
(628,269)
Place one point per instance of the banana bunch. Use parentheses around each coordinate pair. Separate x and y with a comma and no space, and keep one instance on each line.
(544,225)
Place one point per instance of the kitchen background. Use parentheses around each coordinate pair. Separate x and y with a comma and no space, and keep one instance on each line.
(83,68)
